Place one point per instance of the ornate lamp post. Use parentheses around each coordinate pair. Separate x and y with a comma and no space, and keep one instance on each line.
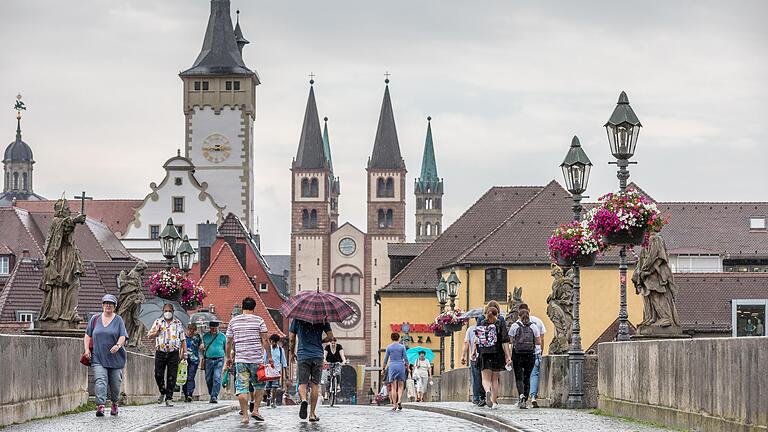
(173,250)
(442,298)
(623,128)
(576,168)
(453,291)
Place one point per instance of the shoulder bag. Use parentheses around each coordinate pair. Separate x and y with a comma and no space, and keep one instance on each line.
(84,360)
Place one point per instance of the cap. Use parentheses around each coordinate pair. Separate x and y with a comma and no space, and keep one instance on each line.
(109,298)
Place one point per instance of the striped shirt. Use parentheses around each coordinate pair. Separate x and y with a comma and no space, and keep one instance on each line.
(246,330)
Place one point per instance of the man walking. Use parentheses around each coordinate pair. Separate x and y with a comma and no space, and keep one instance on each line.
(308,353)
(537,362)
(247,334)
(170,344)
(214,343)
(470,348)
(194,342)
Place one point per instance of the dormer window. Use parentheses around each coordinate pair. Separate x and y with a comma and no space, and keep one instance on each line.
(5,264)
(757,222)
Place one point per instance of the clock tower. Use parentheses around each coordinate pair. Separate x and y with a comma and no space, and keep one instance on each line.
(219,111)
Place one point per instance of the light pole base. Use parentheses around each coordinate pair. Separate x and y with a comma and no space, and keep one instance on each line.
(575,380)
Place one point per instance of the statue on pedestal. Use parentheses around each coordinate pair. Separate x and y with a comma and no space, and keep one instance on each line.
(560,309)
(62,270)
(653,280)
(129,302)
(514,300)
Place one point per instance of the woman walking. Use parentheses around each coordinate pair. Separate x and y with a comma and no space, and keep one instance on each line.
(526,337)
(108,333)
(397,361)
(493,348)
(421,373)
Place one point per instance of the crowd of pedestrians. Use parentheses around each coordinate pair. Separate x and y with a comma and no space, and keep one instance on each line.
(490,347)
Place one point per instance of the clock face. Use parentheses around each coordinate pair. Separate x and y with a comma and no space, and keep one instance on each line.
(347,246)
(353,320)
(216,148)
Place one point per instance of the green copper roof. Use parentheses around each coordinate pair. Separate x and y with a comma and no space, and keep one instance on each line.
(327,145)
(428,164)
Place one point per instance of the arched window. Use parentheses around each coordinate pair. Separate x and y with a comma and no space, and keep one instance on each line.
(428,229)
(355,284)
(380,187)
(495,284)
(304,219)
(390,187)
(15,180)
(346,283)
(389,218)
(429,188)
(24,181)
(313,219)
(418,229)
(337,283)
(437,229)
(314,188)
(7,183)
(305,187)
(382,221)
(428,202)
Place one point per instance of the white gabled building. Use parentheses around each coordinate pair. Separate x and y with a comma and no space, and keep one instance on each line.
(179,196)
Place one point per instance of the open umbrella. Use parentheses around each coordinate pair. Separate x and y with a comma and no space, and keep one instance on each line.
(474,313)
(152,309)
(203,318)
(413,354)
(317,307)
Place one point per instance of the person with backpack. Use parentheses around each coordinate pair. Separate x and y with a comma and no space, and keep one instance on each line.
(493,353)
(537,362)
(281,364)
(525,337)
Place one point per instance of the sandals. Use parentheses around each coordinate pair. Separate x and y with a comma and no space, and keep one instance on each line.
(257,417)
(314,419)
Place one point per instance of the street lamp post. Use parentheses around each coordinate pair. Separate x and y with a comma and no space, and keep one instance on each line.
(442,294)
(623,128)
(173,250)
(576,168)
(453,291)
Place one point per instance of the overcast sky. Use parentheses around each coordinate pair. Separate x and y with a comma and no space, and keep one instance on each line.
(506,83)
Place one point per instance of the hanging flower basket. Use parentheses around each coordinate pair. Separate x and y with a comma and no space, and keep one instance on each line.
(454,327)
(439,330)
(174,285)
(192,297)
(574,241)
(581,260)
(625,218)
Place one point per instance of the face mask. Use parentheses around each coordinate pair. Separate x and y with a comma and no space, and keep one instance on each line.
(167,315)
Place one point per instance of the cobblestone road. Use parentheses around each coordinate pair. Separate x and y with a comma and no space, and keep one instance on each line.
(131,418)
(339,419)
(554,420)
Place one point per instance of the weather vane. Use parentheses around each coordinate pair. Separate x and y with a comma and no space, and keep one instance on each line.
(19,106)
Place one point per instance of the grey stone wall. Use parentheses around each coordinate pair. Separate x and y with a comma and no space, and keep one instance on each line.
(714,384)
(42,376)
(553,383)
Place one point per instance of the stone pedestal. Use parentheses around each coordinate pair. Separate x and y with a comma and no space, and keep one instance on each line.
(655,332)
(56,329)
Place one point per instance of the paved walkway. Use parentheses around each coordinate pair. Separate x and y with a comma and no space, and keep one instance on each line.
(339,419)
(130,419)
(550,419)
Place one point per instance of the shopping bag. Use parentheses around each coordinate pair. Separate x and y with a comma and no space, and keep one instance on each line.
(181,375)
(267,373)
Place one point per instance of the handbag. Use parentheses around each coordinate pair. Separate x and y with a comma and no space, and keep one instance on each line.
(181,374)
(86,361)
(267,373)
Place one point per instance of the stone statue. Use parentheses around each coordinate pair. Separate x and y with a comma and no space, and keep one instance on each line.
(560,309)
(514,300)
(129,302)
(654,281)
(62,270)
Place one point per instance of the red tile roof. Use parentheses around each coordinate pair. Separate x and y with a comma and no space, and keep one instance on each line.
(225,298)
(116,214)
(406,249)
(609,334)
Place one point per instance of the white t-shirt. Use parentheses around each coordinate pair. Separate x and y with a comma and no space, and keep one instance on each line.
(540,324)
(470,337)
(536,332)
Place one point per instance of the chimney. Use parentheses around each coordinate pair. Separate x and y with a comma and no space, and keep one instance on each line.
(206,234)
(25,256)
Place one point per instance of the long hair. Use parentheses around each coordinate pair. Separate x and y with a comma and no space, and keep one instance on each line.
(524,316)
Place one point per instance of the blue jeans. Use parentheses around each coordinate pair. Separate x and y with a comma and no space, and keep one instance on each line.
(535,376)
(103,377)
(478,393)
(189,387)
(213,369)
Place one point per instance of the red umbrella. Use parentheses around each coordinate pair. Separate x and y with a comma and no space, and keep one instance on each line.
(317,307)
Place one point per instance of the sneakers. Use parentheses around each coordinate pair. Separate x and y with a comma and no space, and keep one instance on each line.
(168,403)
(113,411)
(521,404)
(100,411)
(188,399)
(161,398)
(481,403)
(213,400)
(303,410)
(495,406)
(534,403)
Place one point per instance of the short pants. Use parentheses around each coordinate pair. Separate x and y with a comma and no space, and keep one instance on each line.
(309,370)
(245,376)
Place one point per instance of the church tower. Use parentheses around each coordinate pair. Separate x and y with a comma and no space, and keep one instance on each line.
(17,166)
(334,184)
(219,111)
(429,194)
(314,200)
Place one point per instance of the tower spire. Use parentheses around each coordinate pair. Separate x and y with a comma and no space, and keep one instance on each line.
(428,164)
(327,145)
(311,152)
(386,147)
(239,38)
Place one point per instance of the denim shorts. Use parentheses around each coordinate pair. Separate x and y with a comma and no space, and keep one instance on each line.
(245,376)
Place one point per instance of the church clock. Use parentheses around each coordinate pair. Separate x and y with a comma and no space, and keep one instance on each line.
(216,148)
(347,246)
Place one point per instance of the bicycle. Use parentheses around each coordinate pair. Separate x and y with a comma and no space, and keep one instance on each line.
(334,370)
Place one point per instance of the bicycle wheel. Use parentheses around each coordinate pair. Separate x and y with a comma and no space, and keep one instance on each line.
(333,390)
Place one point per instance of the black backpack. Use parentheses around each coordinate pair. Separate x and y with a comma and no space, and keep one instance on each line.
(525,341)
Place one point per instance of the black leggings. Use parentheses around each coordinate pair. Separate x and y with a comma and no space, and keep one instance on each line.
(523,363)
